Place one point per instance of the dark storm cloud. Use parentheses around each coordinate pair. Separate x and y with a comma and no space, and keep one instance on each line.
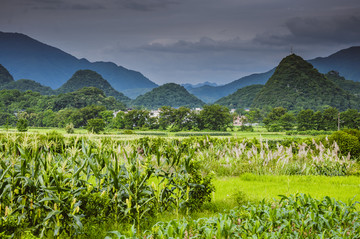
(315,30)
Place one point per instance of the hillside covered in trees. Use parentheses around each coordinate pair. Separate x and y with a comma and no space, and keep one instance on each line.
(89,78)
(170,94)
(242,98)
(296,85)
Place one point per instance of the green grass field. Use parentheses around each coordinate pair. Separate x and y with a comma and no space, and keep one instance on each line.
(258,187)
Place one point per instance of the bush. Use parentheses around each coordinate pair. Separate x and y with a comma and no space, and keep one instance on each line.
(22,125)
(69,128)
(96,125)
(347,143)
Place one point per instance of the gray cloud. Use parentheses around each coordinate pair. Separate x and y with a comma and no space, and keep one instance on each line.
(142,5)
(204,44)
(316,30)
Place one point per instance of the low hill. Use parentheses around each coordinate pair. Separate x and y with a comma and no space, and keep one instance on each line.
(5,76)
(210,94)
(242,98)
(89,78)
(170,94)
(297,85)
(24,85)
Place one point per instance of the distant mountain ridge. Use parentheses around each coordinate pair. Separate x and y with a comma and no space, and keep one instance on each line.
(27,58)
(210,94)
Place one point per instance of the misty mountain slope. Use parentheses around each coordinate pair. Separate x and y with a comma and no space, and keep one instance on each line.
(27,58)
(169,94)
(348,85)
(296,85)
(5,76)
(89,78)
(242,98)
(210,94)
(346,62)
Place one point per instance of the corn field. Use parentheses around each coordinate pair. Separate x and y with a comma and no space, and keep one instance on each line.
(52,186)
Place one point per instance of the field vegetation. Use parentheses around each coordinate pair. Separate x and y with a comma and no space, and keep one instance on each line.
(56,185)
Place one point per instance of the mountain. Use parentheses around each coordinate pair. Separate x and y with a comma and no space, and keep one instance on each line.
(210,94)
(24,85)
(242,98)
(296,85)
(348,85)
(188,86)
(5,76)
(346,62)
(89,78)
(27,58)
(169,94)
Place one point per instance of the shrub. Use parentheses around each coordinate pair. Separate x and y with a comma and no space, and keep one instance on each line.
(69,128)
(22,125)
(347,143)
(96,125)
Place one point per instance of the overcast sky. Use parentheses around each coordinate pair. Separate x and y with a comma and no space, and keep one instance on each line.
(188,41)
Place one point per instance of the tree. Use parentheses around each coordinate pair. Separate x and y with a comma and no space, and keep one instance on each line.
(350,119)
(215,117)
(96,125)
(22,125)
(330,118)
(305,120)
(287,121)
(272,120)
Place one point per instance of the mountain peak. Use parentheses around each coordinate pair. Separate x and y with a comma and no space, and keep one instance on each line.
(296,85)
(90,78)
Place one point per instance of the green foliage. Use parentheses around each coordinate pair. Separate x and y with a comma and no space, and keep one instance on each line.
(215,117)
(25,85)
(95,125)
(69,128)
(22,125)
(296,216)
(348,143)
(169,94)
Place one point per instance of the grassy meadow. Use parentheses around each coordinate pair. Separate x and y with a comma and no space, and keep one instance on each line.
(155,184)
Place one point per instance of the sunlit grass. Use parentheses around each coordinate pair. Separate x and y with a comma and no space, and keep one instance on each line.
(268,187)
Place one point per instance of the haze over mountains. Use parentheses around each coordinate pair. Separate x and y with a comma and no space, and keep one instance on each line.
(40,66)
(27,58)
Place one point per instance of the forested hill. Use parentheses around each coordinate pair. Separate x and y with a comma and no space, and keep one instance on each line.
(170,94)
(348,85)
(14,101)
(89,78)
(24,85)
(296,85)
(5,76)
(242,98)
